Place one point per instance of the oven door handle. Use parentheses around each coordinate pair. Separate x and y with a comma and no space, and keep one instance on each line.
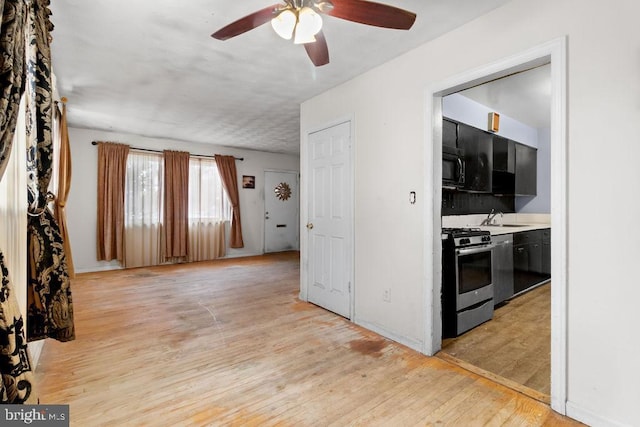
(474,250)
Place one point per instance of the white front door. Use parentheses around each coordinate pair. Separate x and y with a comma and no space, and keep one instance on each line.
(281,208)
(330,222)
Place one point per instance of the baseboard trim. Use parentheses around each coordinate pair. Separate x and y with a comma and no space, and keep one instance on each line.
(590,418)
(97,269)
(409,342)
(534,394)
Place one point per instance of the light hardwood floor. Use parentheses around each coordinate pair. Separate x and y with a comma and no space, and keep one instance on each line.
(229,343)
(515,346)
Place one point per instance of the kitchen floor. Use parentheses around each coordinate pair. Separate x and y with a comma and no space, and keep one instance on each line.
(515,345)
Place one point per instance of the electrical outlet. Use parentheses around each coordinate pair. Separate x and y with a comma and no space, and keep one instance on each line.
(386,295)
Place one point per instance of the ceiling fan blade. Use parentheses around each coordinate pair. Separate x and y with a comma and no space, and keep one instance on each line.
(318,51)
(370,13)
(247,23)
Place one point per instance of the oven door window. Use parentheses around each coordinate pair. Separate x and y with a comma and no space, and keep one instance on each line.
(474,271)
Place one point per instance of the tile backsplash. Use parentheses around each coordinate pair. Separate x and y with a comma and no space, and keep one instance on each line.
(463,203)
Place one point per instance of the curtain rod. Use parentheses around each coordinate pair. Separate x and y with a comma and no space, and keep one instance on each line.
(159,151)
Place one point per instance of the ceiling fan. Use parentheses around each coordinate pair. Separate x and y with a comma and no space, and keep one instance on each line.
(301,20)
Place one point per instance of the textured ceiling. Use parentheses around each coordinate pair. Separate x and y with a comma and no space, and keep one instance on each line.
(151,68)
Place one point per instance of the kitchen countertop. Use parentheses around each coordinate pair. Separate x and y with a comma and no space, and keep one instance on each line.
(512,228)
(524,222)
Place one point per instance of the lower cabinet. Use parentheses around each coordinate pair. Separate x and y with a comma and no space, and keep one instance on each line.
(546,252)
(531,258)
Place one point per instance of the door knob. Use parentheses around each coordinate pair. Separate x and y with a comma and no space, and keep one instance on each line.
(310,226)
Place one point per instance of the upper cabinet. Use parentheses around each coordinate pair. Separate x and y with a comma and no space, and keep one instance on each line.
(526,170)
(504,166)
(514,168)
(478,155)
(493,164)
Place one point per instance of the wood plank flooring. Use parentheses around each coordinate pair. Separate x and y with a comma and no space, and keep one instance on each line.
(514,345)
(229,343)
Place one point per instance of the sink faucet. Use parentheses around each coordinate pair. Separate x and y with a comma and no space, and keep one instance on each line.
(491,217)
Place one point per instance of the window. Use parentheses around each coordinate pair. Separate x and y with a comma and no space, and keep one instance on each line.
(143,210)
(143,191)
(209,209)
(207,199)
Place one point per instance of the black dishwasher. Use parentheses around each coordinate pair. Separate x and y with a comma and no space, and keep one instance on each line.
(502,267)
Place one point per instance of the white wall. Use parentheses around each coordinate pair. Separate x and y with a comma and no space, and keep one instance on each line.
(81,206)
(465,110)
(388,104)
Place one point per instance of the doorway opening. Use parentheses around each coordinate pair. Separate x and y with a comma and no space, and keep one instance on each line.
(513,346)
(553,53)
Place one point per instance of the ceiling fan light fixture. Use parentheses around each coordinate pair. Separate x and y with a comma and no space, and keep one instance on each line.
(284,24)
(324,6)
(309,24)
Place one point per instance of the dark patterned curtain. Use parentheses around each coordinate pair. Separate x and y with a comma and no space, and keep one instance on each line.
(17,385)
(49,304)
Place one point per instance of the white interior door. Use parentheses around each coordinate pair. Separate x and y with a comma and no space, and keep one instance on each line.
(330,221)
(281,205)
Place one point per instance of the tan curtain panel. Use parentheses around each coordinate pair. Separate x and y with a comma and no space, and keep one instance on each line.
(206,241)
(208,211)
(176,204)
(112,172)
(64,185)
(227,168)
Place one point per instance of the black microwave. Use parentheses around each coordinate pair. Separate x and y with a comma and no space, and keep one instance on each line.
(453,167)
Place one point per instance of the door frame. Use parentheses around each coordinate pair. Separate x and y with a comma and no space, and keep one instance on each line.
(305,193)
(555,52)
(264,207)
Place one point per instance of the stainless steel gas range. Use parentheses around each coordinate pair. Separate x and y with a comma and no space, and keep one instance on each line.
(467,283)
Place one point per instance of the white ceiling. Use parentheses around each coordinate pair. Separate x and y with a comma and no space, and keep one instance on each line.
(150,67)
(525,96)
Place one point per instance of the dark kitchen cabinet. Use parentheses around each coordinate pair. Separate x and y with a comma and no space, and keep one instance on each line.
(530,259)
(526,170)
(535,257)
(504,166)
(546,252)
(514,168)
(520,268)
(504,154)
(478,155)
(449,133)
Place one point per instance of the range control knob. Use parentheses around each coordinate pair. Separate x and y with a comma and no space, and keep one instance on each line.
(486,238)
(465,241)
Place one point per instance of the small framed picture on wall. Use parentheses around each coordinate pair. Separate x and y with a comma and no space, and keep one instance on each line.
(248,181)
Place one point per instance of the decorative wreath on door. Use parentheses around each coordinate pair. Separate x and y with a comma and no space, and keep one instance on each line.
(283,191)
